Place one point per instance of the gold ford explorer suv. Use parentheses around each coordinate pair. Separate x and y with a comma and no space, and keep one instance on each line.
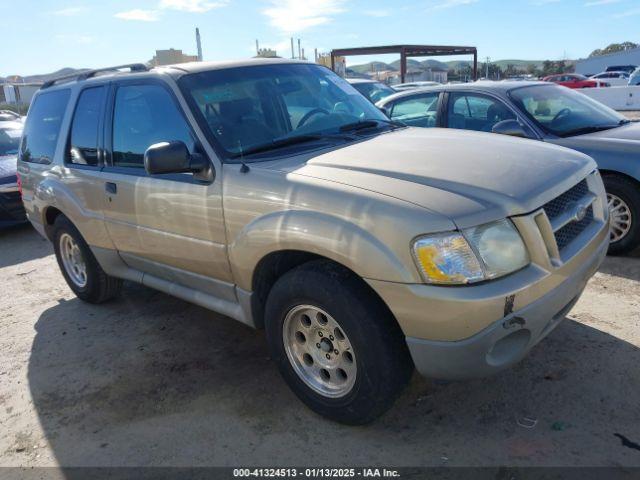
(274,193)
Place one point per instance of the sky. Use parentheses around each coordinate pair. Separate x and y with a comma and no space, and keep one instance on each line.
(47,35)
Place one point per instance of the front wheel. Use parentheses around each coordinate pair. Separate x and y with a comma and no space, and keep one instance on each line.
(336,344)
(623,199)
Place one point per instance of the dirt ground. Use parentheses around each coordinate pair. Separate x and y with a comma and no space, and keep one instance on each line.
(152,380)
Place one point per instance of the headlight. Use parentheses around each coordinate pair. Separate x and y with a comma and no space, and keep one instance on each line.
(480,253)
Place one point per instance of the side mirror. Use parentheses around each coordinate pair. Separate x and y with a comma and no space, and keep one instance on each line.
(510,127)
(173,157)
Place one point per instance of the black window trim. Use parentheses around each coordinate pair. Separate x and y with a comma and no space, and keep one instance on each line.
(108,134)
(100,146)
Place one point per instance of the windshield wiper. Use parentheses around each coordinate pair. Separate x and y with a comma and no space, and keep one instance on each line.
(589,129)
(369,123)
(286,142)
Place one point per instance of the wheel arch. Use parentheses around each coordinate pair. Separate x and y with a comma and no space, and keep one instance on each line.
(275,264)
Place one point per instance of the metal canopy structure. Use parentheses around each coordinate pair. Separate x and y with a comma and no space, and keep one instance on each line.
(407,51)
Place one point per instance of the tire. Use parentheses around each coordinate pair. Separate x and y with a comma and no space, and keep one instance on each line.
(380,365)
(620,189)
(94,286)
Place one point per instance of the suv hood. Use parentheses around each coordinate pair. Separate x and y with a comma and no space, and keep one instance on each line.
(472,178)
(625,138)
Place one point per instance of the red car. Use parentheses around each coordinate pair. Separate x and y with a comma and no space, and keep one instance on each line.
(574,80)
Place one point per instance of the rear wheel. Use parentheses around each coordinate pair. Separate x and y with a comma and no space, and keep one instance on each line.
(623,199)
(336,344)
(79,266)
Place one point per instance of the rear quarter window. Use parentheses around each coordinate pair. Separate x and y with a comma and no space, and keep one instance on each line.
(42,129)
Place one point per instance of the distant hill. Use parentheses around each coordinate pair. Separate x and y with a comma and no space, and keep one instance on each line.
(371,67)
(49,76)
(452,64)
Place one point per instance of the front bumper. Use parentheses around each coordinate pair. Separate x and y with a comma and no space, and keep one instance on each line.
(507,340)
(474,331)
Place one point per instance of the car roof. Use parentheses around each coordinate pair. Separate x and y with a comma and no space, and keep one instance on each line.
(175,71)
(11,125)
(361,80)
(482,86)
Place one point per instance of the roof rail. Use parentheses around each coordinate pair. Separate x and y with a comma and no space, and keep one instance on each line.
(133,67)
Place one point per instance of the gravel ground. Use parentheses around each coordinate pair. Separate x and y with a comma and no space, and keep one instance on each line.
(151,380)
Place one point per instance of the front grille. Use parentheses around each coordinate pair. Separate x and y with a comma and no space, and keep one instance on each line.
(561,204)
(566,234)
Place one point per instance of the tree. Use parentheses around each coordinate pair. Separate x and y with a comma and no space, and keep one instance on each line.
(613,48)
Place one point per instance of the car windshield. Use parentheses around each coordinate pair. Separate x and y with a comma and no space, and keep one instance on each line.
(374,91)
(268,107)
(563,112)
(9,141)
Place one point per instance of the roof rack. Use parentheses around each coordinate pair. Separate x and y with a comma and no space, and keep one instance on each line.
(133,67)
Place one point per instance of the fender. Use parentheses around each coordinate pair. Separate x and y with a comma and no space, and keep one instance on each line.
(52,192)
(319,233)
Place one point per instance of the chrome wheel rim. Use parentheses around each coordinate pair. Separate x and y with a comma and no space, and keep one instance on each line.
(72,260)
(319,351)
(619,218)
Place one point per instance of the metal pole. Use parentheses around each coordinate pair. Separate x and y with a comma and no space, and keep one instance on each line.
(403,65)
(475,65)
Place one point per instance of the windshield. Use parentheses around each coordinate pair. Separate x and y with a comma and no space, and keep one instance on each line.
(246,108)
(9,141)
(374,91)
(564,112)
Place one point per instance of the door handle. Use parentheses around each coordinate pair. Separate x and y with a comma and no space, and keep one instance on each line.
(111,188)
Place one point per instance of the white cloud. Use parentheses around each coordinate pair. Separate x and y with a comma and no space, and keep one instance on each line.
(444,4)
(69,11)
(140,15)
(596,3)
(291,16)
(193,6)
(377,13)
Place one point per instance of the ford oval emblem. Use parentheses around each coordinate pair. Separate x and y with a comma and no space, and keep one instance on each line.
(581,212)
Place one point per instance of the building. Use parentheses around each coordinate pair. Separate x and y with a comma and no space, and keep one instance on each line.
(266,53)
(595,65)
(171,57)
(18,93)
(433,74)
(340,65)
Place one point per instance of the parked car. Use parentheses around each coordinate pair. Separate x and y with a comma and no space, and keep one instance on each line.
(573,80)
(9,116)
(621,68)
(271,191)
(614,79)
(400,87)
(544,112)
(373,90)
(634,78)
(11,209)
